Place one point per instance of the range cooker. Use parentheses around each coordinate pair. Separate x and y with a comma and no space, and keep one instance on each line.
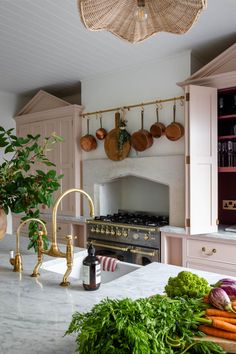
(129,236)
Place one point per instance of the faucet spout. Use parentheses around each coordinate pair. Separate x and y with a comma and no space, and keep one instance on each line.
(54,250)
(54,212)
(17,260)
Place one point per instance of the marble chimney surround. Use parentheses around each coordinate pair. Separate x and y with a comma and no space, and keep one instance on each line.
(153,184)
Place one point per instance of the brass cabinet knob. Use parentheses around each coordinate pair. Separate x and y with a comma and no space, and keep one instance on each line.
(146,237)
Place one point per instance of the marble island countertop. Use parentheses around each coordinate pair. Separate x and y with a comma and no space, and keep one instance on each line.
(36,312)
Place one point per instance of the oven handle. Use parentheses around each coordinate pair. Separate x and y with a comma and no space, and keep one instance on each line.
(150,254)
(124,249)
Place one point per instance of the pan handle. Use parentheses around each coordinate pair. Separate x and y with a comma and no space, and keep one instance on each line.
(157,113)
(100,118)
(88,126)
(174,111)
(142,114)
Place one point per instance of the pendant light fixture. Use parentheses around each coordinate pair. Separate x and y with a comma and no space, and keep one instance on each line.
(137,20)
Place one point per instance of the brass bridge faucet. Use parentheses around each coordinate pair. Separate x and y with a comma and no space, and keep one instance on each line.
(17,260)
(54,250)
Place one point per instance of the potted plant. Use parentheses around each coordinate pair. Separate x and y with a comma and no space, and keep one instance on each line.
(23,187)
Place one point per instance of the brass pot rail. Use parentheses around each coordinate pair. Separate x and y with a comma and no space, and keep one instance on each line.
(114,109)
(54,250)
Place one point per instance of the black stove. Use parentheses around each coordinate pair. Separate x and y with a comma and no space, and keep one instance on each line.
(130,236)
(139,219)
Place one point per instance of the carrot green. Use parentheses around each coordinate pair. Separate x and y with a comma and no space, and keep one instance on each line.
(156,325)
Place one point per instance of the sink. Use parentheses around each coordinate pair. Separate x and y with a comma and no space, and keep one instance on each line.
(58,266)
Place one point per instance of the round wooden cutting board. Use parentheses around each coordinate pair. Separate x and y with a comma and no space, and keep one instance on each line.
(111,146)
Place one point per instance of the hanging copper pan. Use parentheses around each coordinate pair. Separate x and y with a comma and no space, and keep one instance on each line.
(158,128)
(88,141)
(174,131)
(142,139)
(101,132)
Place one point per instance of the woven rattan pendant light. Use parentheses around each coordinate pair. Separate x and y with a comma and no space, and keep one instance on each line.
(120,16)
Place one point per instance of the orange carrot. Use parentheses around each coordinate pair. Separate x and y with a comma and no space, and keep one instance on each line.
(211,331)
(226,319)
(206,299)
(233,303)
(220,313)
(224,325)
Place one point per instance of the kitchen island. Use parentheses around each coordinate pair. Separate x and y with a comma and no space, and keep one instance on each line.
(36,312)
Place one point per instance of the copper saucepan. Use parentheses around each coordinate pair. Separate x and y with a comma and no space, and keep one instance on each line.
(174,131)
(88,141)
(142,139)
(101,132)
(158,128)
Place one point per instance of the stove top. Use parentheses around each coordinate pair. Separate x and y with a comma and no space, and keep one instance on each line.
(134,219)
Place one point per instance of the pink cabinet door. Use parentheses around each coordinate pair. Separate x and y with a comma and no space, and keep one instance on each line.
(201,159)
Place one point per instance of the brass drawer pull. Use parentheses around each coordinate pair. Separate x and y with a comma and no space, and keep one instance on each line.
(210,253)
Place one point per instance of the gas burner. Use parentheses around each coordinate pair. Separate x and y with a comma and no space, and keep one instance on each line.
(135,219)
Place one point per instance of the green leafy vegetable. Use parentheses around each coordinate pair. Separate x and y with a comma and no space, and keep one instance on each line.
(157,325)
(187,284)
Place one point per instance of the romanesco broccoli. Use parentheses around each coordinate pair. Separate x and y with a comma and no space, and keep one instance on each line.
(187,284)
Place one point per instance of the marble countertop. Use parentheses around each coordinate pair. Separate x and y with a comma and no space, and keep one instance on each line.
(220,235)
(36,312)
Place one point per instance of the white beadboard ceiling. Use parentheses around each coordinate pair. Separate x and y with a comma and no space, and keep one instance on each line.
(43,44)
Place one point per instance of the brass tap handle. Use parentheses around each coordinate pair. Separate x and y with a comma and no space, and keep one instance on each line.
(40,255)
(69,260)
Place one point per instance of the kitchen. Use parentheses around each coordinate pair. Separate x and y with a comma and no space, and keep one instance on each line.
(136,84)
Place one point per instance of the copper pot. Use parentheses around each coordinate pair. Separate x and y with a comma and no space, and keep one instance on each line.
(174,131)
(101,132)
(142,139)
(88,141)
(157,129)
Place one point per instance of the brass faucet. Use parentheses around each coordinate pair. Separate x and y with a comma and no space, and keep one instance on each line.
(54,250)
(17,260)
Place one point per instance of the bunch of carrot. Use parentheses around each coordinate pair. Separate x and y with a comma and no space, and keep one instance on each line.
(220,323)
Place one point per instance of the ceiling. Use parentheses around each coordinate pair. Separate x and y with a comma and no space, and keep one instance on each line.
(43,44)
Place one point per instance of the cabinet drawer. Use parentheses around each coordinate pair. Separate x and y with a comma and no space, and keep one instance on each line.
(213,251)
(63,229)
(207,266)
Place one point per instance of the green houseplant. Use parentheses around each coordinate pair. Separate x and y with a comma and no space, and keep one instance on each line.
(23,187)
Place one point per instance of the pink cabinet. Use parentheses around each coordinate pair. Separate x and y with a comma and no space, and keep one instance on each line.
(201,89)
(46,114)
(211,254)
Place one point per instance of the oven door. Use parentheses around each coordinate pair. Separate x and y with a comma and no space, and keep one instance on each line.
(126,253)
(144,256)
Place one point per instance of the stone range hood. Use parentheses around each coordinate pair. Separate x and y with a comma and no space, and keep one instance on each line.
(167,172)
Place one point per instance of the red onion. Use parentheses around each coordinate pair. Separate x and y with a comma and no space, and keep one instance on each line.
(230,290)
(224,281)
(219,298)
